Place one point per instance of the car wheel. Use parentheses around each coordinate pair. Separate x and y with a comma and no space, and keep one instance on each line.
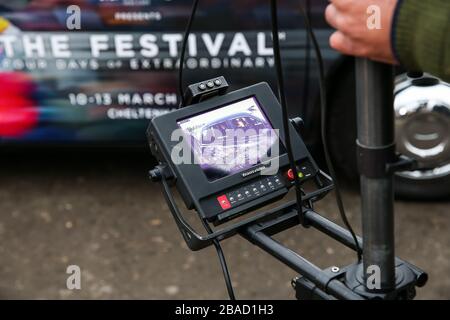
(422,110)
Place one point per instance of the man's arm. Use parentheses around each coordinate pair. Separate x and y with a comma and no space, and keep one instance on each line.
(421,36)
(415,33)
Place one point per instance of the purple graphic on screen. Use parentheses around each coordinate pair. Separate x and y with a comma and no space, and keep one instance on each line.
(230,139)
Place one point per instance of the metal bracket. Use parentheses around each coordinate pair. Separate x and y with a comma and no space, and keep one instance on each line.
(403,163)
(307,290)
(196,241)
(382,161)
(408,277)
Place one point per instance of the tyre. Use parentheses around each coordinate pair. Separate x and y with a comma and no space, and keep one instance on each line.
(422,109)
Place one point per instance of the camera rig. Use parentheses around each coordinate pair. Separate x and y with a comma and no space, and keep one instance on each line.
(398,278)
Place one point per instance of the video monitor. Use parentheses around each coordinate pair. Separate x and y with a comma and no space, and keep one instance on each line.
(231,138)
(227,154)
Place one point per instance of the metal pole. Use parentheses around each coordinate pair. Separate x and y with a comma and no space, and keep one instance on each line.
(299,264)
(375,118)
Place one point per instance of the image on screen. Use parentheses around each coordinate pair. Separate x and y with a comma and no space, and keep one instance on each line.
(230,139)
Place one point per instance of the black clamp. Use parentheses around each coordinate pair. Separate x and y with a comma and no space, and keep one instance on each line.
(157,173)
(298,124)
(305,289)
(382,161)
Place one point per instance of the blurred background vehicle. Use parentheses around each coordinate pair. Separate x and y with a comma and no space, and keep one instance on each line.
(99,83)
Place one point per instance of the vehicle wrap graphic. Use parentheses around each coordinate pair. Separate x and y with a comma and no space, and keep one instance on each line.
(103,82)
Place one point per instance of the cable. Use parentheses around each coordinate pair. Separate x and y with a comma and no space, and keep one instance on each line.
(216,243)
(174,209)
(307,68)
(223,263)
(183,52)
(323,111)
(282,98)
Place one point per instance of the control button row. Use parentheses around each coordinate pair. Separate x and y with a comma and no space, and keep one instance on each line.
(210,84)
(255,190)
(250,191)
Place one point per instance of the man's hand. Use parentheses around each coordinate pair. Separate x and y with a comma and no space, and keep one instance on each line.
(363,28)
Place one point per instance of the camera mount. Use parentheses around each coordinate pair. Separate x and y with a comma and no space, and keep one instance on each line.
(398,278)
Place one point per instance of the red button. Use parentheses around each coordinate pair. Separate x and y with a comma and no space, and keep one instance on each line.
(290,175)
(224,203)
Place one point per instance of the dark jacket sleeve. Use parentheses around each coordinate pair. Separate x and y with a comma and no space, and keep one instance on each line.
(421,36)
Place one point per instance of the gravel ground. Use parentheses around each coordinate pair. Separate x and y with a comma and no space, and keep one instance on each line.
(101,213)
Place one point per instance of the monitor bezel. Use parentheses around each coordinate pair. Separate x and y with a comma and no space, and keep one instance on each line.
(190,178)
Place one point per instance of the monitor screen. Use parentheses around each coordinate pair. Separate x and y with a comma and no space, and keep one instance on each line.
(230,139)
